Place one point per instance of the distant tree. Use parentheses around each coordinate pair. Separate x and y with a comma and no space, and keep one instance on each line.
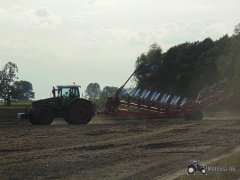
(93,90)
(7,77)
(108,91)
(154,53)
(236,79)
(153,56)
(237,29)
(23,90)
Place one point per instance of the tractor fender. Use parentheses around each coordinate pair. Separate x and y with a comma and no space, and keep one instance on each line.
(82,100)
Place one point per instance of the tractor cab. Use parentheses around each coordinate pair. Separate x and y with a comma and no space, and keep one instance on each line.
(71,91)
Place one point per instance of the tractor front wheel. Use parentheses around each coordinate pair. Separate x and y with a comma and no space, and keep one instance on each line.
(80,112)
(42,116)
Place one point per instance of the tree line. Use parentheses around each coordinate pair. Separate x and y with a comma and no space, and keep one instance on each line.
(186,68)
(94,92)
(11,88)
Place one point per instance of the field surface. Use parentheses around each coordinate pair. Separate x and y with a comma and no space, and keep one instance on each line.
(113,149)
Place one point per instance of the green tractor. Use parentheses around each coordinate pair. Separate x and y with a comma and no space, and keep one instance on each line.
(66,104)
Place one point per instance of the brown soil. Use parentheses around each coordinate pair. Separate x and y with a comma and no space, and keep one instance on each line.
(113,149)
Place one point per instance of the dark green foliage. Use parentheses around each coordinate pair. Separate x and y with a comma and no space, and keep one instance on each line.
(12,89)
(108,91)
(7,76)
(153,56)
(186,68)
(98,96)
(100,103)
(93,91)
(24,90)
(237,29)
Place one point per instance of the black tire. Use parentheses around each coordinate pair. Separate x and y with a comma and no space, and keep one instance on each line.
(203,171)
(197,115)
(42,116)
(188,116)
(79,112)
(191,169)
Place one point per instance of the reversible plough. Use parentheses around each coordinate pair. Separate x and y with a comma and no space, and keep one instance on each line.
(153,103)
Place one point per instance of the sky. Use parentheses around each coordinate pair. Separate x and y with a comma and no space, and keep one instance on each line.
(58,42)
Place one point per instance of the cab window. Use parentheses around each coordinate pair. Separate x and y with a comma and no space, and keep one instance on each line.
(68,92)
(74,92)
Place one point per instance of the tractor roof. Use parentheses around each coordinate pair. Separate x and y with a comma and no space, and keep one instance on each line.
(67,86)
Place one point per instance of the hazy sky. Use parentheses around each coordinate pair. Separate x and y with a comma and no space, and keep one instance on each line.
(64,41)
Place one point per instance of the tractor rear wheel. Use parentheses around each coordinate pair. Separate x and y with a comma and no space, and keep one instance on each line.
(80,112)
(188,116)
(195,115)
(42,116)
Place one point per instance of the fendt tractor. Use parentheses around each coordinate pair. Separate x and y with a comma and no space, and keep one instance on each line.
(65,103)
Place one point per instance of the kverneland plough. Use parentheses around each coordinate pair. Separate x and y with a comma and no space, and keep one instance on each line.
(152,103)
